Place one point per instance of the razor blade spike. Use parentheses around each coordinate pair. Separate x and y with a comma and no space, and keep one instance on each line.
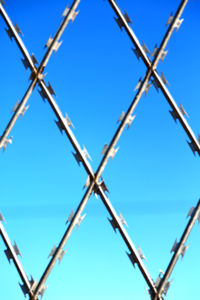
(15,106)
(155,84)
(128,20)
(8,254)
(59,125)
(74,15)
(10,33)
(166,287)
(164,80)
(132,259)
(23,110)
(48,44)
(130,120)
(113,152)
(2,2)
(24,289)
(174,115)
(79,220)
(170,19)
(65,12)
(113,224)
(42,291)
(137,53)
(193,147)
(105,148)
(61,255)
(68,121)
(86,154)
(183,250)
(122,220)
(158,280)
(163,54)
(6,142)
(141,255)
(34,60)
(70,217)
(77,157)
(182,110)
(53,250)
(16,249)
(18,29)
(57,46)
(178,24)
(174,247)
(50,89)
(25,63)
(87,183)
(2,218)
(43,94)
(119,22)
(138,84)
(146,50)
(147,87)
(121,118)
(155,51)
(191,212)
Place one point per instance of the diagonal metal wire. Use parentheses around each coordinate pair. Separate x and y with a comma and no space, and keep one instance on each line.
(151,66)
(11,254)
(178,249)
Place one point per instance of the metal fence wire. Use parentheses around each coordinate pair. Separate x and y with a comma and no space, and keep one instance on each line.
(95,185)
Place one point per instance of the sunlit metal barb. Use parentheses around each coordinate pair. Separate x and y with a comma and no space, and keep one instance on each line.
(191,213)
(79,220)
(122,220)
(112,152)
(86,154)
(155,51)
(65,12)
(178,24)
(166,287)
(169,21)
(53,250)
(2,218)
(6,142)
(147,87)
(121,118)
(138,84)
(164,80)
(163,54)
(182,110)
(55,47)
(146,50)
(141,254)
(182,250)
(73,15)
(70,217)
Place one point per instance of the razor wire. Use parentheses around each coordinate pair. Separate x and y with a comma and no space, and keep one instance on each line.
(95,182)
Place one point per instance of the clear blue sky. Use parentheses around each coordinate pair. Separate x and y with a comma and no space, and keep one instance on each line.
(153,179)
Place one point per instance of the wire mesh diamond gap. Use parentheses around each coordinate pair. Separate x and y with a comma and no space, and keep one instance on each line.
(97,158)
